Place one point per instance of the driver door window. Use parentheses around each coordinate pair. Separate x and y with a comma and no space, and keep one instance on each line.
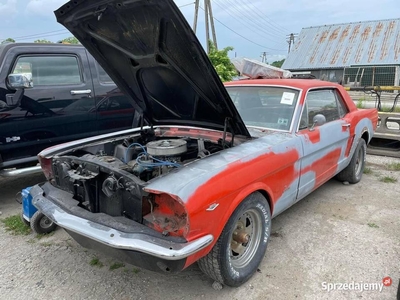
(326,102)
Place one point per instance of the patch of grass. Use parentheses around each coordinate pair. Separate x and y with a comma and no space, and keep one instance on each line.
(367,170)
(393,166)
(388,179)
(116,265)
(373,225)
(135,270)
(39,236)
(96,262)
(360,103)
(15,226)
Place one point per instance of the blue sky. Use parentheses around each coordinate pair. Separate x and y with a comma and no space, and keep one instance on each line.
(250,26)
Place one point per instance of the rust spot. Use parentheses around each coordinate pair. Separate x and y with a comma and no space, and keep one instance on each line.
(334,34)
(352,39)
(387,34)
(360,48)
(378,30)
(339,46)
(397,47)
(344,34)
(323,36)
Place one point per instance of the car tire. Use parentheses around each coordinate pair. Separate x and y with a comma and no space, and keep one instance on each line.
(41,224)
(231,262)
(353,172)
(27,223)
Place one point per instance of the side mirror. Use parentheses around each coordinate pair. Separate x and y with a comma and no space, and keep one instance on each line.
(20,81)
(318,120)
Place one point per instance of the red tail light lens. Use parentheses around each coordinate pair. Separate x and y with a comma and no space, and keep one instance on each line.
(167,215)
(45,164)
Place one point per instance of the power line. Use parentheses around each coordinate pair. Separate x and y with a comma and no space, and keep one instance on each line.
(38,34)
(267,35)
(186,5)
(279,28)
(280,50)
(250,18)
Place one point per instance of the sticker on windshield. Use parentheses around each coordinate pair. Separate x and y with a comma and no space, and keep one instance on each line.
(287,98)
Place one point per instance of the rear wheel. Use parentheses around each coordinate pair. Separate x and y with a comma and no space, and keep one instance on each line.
(353,172)
(242,244)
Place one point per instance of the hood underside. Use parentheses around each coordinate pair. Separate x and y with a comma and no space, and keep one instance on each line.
(152,54)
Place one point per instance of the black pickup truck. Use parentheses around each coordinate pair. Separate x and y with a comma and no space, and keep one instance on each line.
(72,98)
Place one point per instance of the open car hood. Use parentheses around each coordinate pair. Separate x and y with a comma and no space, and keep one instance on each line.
(152,54)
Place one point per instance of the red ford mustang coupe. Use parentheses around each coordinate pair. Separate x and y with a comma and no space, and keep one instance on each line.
(209,166)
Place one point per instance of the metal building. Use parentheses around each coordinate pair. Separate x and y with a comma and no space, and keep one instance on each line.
(358,54)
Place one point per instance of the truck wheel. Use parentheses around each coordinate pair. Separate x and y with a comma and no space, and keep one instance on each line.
(242,244)
(353,172)
(27,223)
(42,224)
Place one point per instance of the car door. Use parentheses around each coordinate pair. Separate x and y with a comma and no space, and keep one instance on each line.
(324,146)
(60,78)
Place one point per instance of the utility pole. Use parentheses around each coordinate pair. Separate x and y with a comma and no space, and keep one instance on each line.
(209,21)
(290,39)
(264,57)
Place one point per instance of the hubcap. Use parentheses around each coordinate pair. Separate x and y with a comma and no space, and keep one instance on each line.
(246,238)
(45,222)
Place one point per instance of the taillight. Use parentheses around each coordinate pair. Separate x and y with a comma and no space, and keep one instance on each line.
(166,215)
(45,164)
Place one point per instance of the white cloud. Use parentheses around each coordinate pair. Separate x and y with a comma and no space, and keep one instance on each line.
(43,7)
(8,10)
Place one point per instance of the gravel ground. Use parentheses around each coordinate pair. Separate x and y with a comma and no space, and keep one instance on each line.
(338,234)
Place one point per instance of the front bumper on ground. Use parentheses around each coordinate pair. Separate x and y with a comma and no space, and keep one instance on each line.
(138,248)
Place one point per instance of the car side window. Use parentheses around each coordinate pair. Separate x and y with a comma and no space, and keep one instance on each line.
(50,70)
(326,102)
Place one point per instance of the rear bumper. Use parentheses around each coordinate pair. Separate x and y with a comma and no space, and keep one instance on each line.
(135,246)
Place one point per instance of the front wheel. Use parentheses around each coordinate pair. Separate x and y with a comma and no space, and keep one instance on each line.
(353,172)
(242,244)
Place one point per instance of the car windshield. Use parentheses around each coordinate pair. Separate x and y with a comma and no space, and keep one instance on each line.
(265,106)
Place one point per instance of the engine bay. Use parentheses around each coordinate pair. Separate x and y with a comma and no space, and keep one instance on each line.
(109,176)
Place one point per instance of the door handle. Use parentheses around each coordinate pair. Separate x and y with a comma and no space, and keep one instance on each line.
(81,92)
(347,125)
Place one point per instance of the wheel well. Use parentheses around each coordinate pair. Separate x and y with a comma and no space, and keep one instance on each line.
(268,198)
(365,136)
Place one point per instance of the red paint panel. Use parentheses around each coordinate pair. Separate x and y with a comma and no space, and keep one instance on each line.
(226,187)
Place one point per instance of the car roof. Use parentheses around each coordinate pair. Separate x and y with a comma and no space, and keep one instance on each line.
(295,83)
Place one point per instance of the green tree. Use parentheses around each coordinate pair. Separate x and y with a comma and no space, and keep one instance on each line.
(278,63)
(221,62)
(9,40)
(43,41)
(70,40)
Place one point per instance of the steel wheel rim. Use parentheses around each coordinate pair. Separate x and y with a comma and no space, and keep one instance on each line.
(249,223)
(359,161)
(45,222)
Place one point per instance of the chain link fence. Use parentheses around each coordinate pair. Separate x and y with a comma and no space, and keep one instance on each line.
(371,76)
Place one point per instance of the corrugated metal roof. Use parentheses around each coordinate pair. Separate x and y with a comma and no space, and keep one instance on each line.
(343,45)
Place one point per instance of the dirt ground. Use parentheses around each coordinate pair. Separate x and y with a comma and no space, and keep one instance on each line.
(338,234)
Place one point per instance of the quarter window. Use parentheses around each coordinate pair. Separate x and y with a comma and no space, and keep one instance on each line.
(50,70)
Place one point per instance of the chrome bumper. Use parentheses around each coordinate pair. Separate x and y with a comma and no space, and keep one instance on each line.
(19,172)
(140,242)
